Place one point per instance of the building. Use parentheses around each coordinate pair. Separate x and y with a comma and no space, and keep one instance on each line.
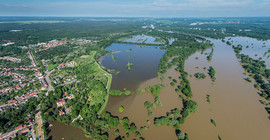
(25,131)
(61,102)
(61,112)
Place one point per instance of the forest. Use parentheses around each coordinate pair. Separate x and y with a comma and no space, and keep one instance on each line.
(73,28)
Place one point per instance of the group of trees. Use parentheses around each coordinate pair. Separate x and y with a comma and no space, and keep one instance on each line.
(119,93)
(9,50)
(238,48)
(209,57)
(14,51)
(200,75)
(254,66)
(128,127)
(181,135)
(180,50)
(185,86)
(149,106)
(189,107)
(258,70)
(139,91)
(174,81)
(155,90)
(212,73)
(173,119)
(208,98)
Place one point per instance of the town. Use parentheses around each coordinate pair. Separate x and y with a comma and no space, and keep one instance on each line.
(14,80)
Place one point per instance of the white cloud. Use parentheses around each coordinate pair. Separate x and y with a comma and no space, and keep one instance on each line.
(15,5)
(151,8)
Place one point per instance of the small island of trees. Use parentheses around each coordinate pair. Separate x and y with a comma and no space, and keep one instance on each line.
(200,75)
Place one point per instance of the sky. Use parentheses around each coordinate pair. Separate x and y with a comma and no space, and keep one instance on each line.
(136,8)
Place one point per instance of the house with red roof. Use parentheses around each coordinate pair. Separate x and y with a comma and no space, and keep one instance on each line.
(61,112)
(25,131)
(61,102)
(18,127)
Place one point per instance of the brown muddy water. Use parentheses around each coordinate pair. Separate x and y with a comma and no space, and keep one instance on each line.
(60,131)
(142,74)
(234,106)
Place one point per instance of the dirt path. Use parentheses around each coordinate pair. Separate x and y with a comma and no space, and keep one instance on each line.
(40,133)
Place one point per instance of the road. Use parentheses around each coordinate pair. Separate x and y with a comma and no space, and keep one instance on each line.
(39,122)
(33,133)
(32,58)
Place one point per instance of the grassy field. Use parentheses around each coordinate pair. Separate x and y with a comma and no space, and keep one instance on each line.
(108,86)
(101,73)
(51,67)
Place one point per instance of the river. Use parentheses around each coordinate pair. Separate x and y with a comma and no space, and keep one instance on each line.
(235,105)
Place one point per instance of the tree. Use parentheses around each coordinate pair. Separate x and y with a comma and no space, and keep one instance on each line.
(121,109)
(133,128)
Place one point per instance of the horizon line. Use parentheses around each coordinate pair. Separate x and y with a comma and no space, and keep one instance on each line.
(139,16)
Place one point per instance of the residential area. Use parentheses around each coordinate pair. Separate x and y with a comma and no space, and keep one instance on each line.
(16,85)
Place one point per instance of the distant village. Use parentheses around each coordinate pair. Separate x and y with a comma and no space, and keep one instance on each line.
(13,59)
(55,43)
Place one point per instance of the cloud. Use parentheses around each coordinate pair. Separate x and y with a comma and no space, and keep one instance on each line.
(140,8)
(16,5)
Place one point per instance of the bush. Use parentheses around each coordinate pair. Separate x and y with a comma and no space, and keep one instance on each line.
(212,73)
(121,109)
(127,92)
(138,91)
(133,128)
(213,122)
(116,92)
(143,128)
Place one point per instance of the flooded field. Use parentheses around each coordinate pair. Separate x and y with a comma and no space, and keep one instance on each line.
(143,73)
(253,47)
(60,131)
(171,40)
(144,39)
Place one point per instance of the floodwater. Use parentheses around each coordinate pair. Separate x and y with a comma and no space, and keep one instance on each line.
(137,112)
(145,60)
(144,39)
(171,40)
(142,74)
(256,48)
(60,131)
(234,106)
